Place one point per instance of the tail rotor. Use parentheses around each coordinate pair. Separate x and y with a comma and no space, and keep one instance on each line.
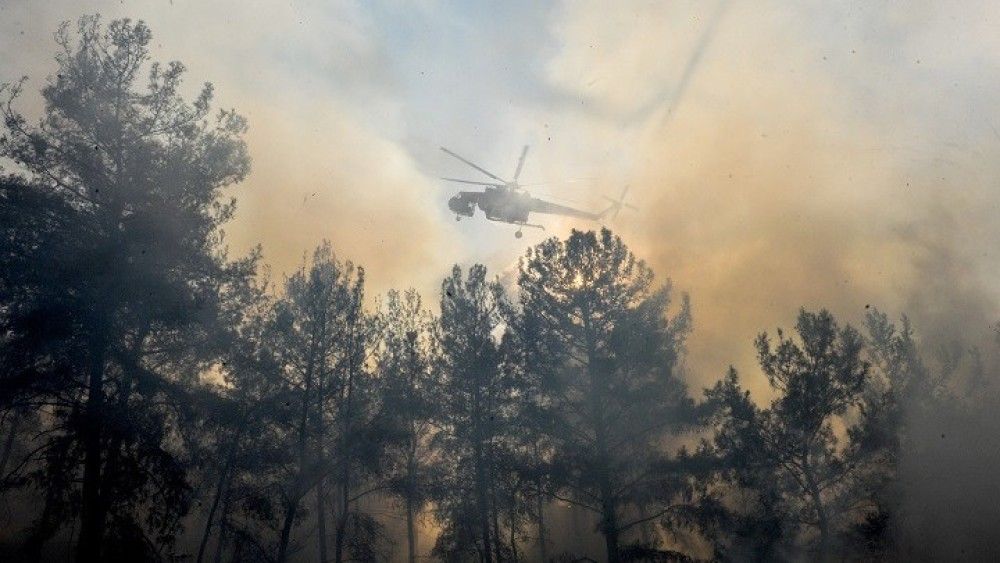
(617,205)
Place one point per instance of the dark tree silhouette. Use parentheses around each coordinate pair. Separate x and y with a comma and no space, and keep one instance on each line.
(793,443)
(906,400)
(132,279)
(476,409)
(323,341)
(243,437)
(409,369)
(607,355)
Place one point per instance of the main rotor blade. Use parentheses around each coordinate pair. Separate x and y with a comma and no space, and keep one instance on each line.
(469,182)
(692,63)
(520,162)
(476,166)
(557,182)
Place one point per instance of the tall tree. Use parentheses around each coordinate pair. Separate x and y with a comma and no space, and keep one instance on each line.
(793,443)
(907,401)
(241,440)
(355,435)
(475,411)
(324,341)
(607,356)
(531,447)
(312,341)
(409,370)
(898,386)
(135,274)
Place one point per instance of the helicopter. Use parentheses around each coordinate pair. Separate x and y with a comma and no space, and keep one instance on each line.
(505,201)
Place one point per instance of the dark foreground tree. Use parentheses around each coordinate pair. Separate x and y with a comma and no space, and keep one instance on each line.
(322,339)
(790,453)
(122,287)
(242,442)
(409,369)
(475,408)
(605,354)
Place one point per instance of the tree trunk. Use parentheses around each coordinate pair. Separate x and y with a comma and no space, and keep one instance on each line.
(321,482)
(495,515)
(345,435)
(345,486)
(320,445)
(220,486)
(9,443)
(342,521)
(609,508)
(543,556)
(411,460)
(237,553)
(113,435)
(513,536)
(224,528)
(207,533)
(411,532)
(286,528)
(609,523)
(93,514)
(297,492)
(822,519)
(321,519)
(41,531)
(226,502)
(482,500)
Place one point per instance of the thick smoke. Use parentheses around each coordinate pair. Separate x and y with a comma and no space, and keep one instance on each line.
(816,165)
(799,169)
(819,156)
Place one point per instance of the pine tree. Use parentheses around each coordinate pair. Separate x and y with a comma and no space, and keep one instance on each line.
(318,343)
(121,303)
(606,355)
(409,374)
(790,449)
(476,409)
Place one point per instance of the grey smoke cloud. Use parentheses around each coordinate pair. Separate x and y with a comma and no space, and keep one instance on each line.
(820,155)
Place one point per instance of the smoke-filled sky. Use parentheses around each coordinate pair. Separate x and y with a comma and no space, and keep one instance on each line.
(781,154)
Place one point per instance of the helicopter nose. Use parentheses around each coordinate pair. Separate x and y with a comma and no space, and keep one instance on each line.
(459,206)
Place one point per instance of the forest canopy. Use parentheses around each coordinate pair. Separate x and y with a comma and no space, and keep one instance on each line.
(161,399)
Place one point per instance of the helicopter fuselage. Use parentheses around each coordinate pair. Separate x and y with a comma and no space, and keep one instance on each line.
(497,203)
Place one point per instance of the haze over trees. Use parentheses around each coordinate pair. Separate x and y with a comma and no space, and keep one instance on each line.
(162,400)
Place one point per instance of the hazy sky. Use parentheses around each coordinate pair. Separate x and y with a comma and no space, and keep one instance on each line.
(782,154)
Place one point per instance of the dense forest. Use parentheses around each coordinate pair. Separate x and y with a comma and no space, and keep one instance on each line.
(163,400)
